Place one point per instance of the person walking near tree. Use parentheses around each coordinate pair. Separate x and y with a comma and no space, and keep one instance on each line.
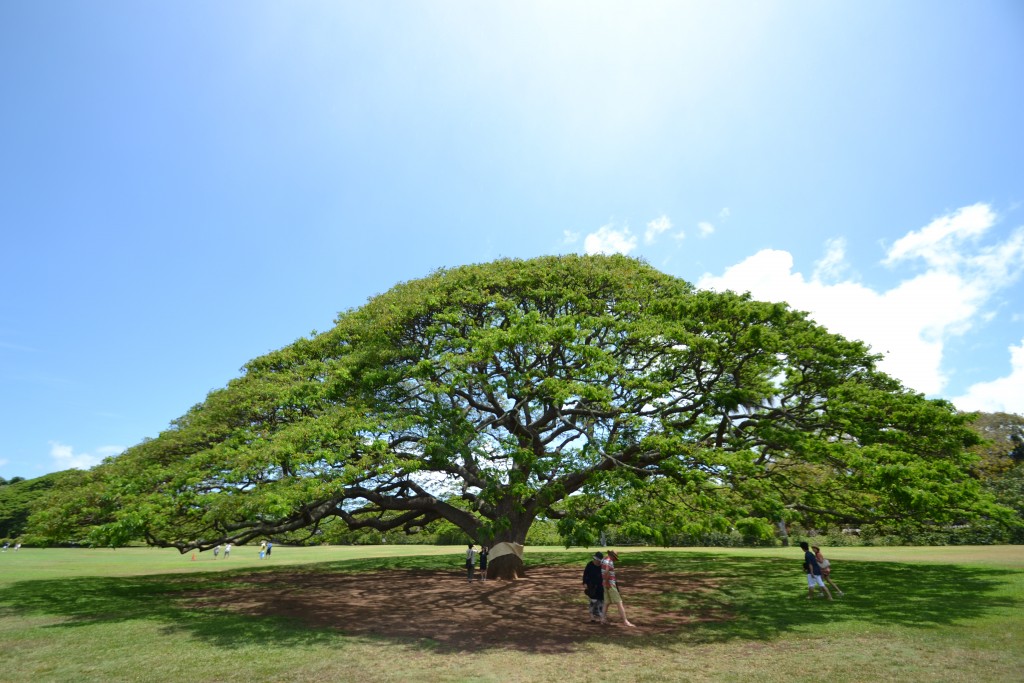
(593,586)
(611,588)
(826,568)
(813,570)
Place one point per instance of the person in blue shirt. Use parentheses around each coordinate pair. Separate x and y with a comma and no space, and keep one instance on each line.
(813,570)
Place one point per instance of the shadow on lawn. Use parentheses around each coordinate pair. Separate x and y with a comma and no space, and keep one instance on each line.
(767,596)
(93,600)
(674,597)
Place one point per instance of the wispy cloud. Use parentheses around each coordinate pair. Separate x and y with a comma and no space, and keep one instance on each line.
(705,229)
(65,457)
(17,347)
(903,323)
(833,264)
(609,240)
(570,237)
(656,227)
(940,242)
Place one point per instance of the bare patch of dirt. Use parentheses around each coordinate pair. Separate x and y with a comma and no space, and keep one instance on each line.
(545,612)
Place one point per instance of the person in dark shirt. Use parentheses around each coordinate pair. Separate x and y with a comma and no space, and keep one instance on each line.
(813,570)
(593,586)
(483,562)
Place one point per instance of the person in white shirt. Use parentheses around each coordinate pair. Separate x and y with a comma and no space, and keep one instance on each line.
(470,557)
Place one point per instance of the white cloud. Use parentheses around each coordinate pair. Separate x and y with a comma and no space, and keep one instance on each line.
(66,458)
(904,323)
(724,213)
(1005,394)
(832,265)
(656,228)
(705,229)
(939,242)
(608,240)
(570,237)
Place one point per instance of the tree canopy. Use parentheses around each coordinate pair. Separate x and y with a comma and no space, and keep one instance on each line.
(491,395)
(17,496)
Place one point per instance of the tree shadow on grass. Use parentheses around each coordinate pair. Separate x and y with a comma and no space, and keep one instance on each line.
(768,596)
(93,600)
(427,602)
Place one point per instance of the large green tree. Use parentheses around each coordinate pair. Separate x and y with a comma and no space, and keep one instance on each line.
(490,395)
(17,497)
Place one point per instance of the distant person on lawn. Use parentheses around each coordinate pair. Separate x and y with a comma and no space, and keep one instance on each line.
(813,570)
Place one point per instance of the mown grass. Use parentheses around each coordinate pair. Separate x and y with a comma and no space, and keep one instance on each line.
(910,614)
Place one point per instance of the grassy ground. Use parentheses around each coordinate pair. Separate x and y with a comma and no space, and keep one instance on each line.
(911,614)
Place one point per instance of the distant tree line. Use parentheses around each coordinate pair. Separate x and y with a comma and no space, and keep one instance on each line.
(18,496)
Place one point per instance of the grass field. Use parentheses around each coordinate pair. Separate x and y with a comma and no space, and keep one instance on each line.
(910,614)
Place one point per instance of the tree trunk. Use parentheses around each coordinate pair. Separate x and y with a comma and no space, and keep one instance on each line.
(505,559)
(508,566)
(783,533)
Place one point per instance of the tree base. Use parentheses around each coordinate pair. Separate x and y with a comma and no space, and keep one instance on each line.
(506,562)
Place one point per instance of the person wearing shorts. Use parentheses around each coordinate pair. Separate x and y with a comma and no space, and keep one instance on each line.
(813,570)
(611,588)
(826,569)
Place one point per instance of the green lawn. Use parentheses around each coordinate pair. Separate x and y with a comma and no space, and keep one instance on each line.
(911,614)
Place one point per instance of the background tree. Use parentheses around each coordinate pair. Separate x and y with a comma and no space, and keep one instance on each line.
(17,497)
(1000,468)
(487,396)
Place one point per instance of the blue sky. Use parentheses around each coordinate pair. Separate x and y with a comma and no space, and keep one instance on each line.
(186,186)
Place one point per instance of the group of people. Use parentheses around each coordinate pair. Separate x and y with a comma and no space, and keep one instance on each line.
(818,571)
(472,554)
(600,586)
(227,551)
(265,549)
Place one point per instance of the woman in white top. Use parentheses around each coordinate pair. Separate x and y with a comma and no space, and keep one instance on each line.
(826,567)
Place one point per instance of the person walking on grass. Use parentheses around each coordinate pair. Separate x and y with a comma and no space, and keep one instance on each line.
(227,551)
(593,586)
(826,568)
(611,588)
(470,556)
(813,570)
